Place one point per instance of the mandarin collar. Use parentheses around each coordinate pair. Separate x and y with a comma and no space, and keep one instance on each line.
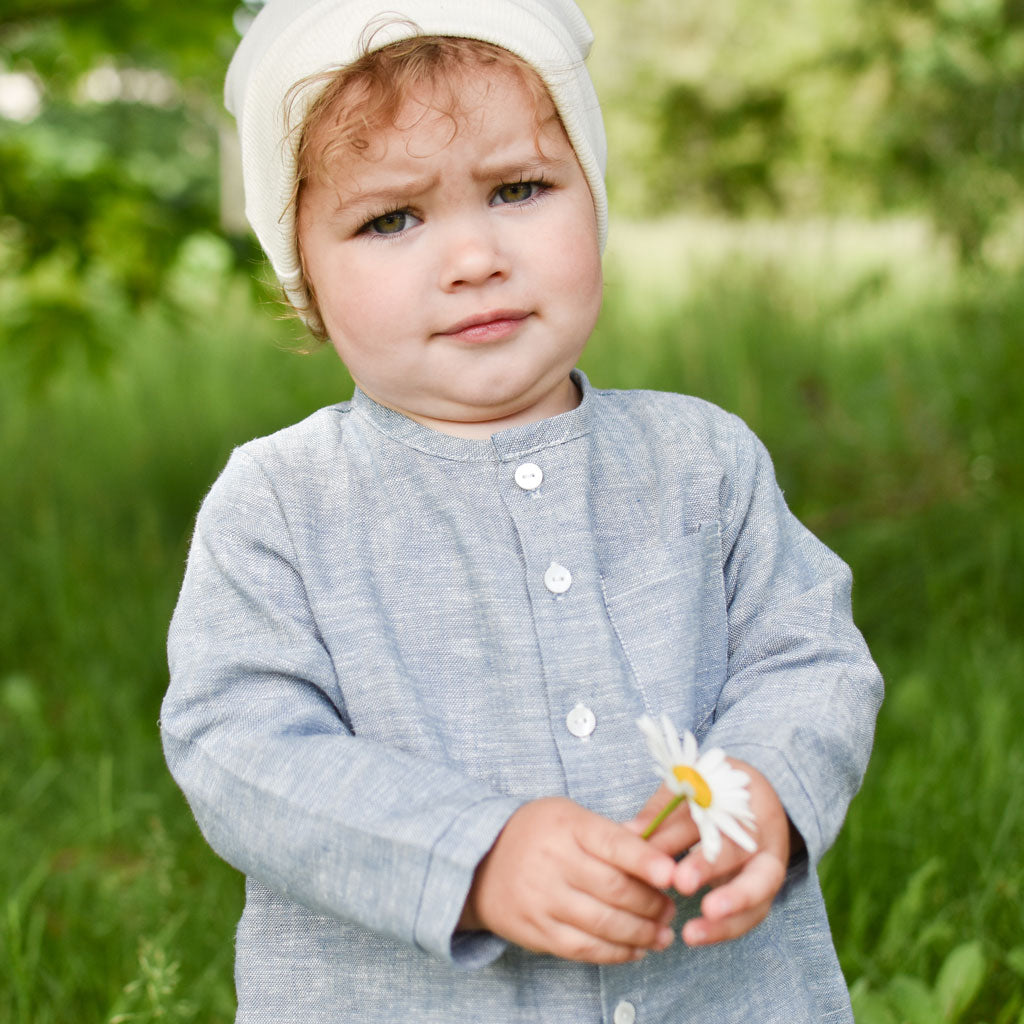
(511,443)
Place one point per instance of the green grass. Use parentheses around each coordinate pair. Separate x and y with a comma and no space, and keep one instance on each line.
(893,411)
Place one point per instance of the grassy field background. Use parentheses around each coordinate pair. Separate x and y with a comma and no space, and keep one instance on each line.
(890,391)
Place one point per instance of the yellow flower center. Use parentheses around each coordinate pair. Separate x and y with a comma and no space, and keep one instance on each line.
(700,789)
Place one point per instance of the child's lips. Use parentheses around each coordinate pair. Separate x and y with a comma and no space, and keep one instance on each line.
(491,326)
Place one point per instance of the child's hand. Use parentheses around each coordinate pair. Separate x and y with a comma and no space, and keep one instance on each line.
(744,884)
(563,880)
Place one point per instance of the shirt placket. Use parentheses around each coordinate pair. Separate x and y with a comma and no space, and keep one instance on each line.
(589,699)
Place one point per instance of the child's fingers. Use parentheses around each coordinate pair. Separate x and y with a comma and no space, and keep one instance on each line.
(625,850)
(676,833)
(694,871)
(734,907)
(744,884)
(702,932)
(656,802)
(596,918)
(614,887)
(572,943)
(531,888)
(761,878)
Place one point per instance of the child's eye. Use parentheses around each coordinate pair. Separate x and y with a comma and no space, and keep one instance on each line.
(393,223)
(517,192)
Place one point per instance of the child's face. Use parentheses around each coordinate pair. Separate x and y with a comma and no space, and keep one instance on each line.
(458,277)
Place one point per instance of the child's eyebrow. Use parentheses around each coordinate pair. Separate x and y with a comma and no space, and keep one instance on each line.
(397,194)
(404,190)
(537,165)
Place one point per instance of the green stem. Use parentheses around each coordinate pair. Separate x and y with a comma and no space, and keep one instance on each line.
(663,814)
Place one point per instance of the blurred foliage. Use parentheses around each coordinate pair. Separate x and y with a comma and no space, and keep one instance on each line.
(792,109)
(806,107)
(949,121)
(902,452)
(890,396)
(102,189)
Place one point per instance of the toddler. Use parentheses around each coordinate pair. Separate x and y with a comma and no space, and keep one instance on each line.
(417,629)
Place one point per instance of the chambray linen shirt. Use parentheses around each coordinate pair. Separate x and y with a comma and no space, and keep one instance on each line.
(388,639)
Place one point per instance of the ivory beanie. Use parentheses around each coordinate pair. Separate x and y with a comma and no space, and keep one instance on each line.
(292,40)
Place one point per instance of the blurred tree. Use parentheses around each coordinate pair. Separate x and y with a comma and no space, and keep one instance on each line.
(794,108)
(820,106)
(949,125)
(103,184)
(731,147)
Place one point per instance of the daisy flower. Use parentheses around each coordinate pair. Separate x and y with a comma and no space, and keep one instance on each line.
(717,792)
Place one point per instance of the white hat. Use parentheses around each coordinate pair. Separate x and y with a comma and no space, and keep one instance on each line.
(292,40)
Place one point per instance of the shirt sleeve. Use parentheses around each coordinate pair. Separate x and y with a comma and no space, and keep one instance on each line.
(255,733)
(802,692)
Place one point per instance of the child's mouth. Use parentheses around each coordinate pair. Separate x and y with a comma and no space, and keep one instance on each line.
(491,326)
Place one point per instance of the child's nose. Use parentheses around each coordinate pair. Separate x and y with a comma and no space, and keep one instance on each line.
(472,255)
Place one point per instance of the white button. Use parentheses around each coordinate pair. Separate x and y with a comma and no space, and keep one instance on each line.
(580,721)
(557,578)
(529,476)
(625,1013)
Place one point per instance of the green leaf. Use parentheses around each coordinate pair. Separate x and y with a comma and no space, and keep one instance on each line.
(869,1007)
(1015,960)
(913,1000)
(959,979)
(1011,1013)
(903,921)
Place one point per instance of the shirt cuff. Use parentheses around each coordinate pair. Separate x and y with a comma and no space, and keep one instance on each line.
(449,876)
(470,950)
(775,767)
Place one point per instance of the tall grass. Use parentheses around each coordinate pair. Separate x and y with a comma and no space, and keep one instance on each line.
(893,411)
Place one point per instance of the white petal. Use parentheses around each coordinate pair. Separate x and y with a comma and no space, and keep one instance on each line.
(710,839)
(689,748)
(672,741)
(655,741)
(649,728)
(742,816)
(644,723)
(669,779)
(730,798)
(736,807)
(725,781)
(711,761)
(728,825)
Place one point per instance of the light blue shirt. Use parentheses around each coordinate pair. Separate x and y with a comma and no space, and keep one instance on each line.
(389,638)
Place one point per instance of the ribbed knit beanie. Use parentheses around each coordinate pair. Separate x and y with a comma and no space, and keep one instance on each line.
(292,40)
